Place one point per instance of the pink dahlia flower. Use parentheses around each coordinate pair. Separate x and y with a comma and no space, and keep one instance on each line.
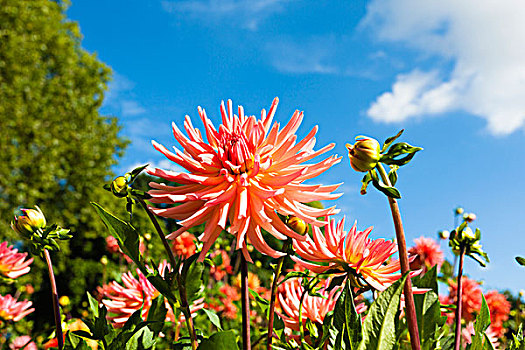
(471,297)
(246,173)
(314,308)
(13,310)
(123,300)
(23,342)
(469,331)
(499,308)
(428,254)
(12,264)
(222,265)
(335,248)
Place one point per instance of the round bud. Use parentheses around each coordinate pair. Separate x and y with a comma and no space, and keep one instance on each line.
(298,225)
(364,154)
(64,300)
(104,260)
(469,217)
(459,211)
(444,234)
(119,187)
(31,221)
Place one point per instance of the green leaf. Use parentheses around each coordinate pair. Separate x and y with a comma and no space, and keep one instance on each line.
(126,235)
(74,342)
(481,325)
(392,174)
(142,339)
(220,341)
(157,314)
(366,180)
(381,186)
(214,319)
(191,275)
(520,260)
(379,327)
(390,140)
(392,157)
(93,304)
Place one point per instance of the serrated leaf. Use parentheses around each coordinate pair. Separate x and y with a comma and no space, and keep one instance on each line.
(214,319)
(346,319)
(379,330)
(143,339)
(220,341)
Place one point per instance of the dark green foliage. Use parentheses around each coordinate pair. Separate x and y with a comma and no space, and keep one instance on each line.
(55,148)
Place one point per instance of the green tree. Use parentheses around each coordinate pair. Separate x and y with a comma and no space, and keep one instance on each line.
(56,150)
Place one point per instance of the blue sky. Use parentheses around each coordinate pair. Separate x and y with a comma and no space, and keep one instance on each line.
(452,74)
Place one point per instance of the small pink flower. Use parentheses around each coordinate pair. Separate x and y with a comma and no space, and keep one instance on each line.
(428,254)
(12,264)
(335,248)
(23,342)
(13,310)
(246,173)
(222,264)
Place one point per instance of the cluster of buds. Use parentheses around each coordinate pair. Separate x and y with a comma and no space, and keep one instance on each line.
(366,155)
(32,226)
(464,237)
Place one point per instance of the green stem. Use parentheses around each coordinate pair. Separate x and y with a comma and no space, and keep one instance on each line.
(186,311)
(273,295)
(153,219)
(459,304)
(245,300)
(54,295)
(301,328)
(405,266)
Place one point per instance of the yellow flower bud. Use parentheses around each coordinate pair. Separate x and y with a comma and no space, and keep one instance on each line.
(364,154)
(64,300)
(119,186)
(459,211)
(31,221)
(298,225)
(469,217)
(444,234)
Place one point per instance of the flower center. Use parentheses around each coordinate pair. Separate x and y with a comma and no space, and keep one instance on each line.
(235,155)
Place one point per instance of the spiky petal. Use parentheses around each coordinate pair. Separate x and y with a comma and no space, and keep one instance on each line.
(12,264)
(246,172)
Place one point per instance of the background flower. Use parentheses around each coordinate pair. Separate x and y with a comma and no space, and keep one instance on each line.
(427,254)
(12,264)
(13,310)
(246,173)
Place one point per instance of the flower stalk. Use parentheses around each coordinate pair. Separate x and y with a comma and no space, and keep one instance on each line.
(459,304)
(245,300)
(405,266)
(54,295)
(273,295)
(186,311)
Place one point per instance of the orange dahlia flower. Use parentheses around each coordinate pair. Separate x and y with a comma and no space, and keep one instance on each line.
(13,310)
(184,246)
(428,254)
(246,173)
(12,264)
(336,248)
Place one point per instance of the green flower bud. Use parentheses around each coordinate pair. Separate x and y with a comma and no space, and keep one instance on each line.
(298,225)
(364,154)
(468,234)
(119,187)
(31,221)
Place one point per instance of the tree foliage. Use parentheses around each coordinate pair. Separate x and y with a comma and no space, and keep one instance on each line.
(56,149)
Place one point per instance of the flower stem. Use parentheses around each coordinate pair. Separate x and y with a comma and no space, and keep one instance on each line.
(405,266)
(459,303)
(245,299)
(159,231)
(56,309)
(273,295)
(185,308)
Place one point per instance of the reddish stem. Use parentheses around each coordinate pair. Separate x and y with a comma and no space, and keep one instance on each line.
(56,309)
(459,304)
(405,265)
(273,294)
(245,299)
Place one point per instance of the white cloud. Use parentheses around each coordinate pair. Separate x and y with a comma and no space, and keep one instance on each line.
(246,13)
(314,55)
(120,97)
(485,42)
